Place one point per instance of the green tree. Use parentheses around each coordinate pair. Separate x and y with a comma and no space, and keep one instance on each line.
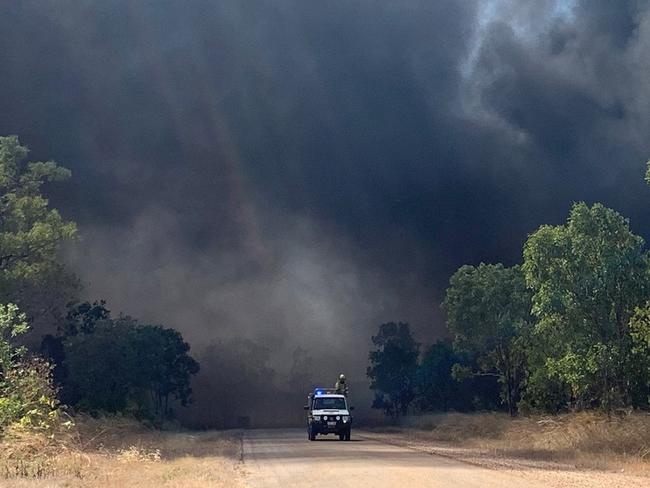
(640,374)
(31,234)
(80,318)
(436,388)
(30,231)
(118,365)
(488,313)
(588,276)
(544,391)
(101,368)
(12,324)
(393,367)
(164,367)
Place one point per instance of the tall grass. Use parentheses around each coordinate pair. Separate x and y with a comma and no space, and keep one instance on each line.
(569,436)
(117,452)
(29,454)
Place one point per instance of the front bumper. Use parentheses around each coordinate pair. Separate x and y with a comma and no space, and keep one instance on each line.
(330,427)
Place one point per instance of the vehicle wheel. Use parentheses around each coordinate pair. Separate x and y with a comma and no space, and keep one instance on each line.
(342,436)
(312,436)
(347,435)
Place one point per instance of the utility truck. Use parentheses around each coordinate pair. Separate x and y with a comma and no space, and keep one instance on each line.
(328,413)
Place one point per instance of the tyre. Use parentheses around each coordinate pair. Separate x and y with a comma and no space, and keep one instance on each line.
(347,435)
(342,436)
(311,435)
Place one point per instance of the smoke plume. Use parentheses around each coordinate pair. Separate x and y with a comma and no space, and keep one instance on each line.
(294,173)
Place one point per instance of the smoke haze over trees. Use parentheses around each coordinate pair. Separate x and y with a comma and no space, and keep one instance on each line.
(296,172)
(88,360)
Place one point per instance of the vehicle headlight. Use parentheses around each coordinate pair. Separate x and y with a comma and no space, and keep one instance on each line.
(346,418)
(324,417)
(338,417)
(316,417)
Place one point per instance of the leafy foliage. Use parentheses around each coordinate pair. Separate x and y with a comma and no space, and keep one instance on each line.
(30,231)
(165,366)
(101,368)
(570,328)
(436,389)
(29,397)
(488,310)
(393,367)
(12,324)
(118,365)
(587,277)
(640,332)
(82,317)
(542,391)
(439,389)
(31,234)
(27,393)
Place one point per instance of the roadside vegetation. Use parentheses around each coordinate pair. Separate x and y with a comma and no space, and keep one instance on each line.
(109,452)
(567,330)
(575,436)
(580,440)
(60,356)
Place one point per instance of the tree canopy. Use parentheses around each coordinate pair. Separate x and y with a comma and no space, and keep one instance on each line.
(120,365)
(30,231)
(31,235)
(393,366)
(488,314)
(587,277)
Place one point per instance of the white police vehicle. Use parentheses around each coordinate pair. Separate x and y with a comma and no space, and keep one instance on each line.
(328,413)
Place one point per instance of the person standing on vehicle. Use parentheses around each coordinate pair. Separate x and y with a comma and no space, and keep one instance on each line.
(341,386)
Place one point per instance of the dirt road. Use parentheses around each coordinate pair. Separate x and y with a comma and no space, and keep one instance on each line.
(113,454)
(281,458)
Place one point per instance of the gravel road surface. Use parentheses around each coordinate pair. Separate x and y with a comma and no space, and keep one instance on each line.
(285,458)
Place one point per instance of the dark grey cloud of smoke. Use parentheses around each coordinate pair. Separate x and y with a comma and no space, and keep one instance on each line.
(298,172)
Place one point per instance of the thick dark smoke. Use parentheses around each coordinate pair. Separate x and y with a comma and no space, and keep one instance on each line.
(297,172)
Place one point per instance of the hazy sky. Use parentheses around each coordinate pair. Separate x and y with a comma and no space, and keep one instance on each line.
(299,171)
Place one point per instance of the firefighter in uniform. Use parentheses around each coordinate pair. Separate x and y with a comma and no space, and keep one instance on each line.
(341,386)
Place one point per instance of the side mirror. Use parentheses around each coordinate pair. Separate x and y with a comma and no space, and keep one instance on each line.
(306,407)
(351,408)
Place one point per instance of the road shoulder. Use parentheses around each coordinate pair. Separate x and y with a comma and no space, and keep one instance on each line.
(550,473)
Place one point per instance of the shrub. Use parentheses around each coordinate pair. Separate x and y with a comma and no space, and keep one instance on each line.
(27,392)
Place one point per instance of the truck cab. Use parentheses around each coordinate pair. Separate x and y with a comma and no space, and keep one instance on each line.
(328,413)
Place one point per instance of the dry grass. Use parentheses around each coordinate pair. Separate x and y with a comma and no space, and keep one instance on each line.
(585,440)
(120,453)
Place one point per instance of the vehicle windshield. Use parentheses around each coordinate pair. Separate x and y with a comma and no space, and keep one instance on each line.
(323,403)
